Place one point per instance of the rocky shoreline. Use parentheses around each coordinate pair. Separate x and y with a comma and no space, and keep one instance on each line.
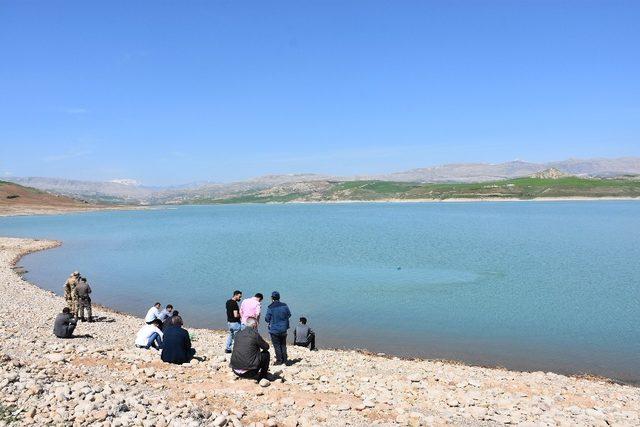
(102,379)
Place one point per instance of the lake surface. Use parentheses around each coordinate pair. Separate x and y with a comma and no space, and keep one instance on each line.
(549,286)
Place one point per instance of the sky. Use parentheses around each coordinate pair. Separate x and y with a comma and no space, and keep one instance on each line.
(170,92)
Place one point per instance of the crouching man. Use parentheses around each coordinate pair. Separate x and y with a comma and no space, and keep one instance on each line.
(303,335)
(64,324)
(150,335)
(176,344)
(250,358)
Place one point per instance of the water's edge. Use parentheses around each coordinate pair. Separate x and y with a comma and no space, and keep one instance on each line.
(338,349)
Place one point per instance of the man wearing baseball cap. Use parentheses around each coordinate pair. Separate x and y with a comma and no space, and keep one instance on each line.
(277,319)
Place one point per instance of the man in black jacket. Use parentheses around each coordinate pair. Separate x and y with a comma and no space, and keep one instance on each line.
(64,324)
(250,356)
(176,343)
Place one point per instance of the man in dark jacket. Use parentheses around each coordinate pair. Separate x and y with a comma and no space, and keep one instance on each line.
(277,318)
(64,324)
(176,344)
(250,356)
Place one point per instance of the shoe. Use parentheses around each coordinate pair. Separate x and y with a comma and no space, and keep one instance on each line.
(277,364)
(227,351)
(82,319)
(91,320)
(314,349)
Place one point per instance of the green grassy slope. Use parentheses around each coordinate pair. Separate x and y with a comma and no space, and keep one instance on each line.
(520,188)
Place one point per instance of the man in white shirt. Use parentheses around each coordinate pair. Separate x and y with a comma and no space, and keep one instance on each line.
(153,313)
(150,335)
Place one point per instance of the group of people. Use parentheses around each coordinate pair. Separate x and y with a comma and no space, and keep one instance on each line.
(163,329)
(77,296)
(249,351)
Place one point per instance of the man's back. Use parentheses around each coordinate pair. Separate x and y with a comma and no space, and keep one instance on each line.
(246,350)
(250,307)
(143,335)
(302,333)
(176,345)
(152,314)
(278,315)
(83,289)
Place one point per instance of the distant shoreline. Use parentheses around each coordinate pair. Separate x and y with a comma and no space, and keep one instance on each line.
(34,211)
(8,211)
(455,200)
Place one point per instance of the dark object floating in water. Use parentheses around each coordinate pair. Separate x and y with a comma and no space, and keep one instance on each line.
(399,268)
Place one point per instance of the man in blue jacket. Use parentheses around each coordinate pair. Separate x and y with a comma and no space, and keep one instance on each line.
(277,319)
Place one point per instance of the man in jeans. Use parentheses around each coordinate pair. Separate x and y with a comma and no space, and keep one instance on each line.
(233,318)
(277,318)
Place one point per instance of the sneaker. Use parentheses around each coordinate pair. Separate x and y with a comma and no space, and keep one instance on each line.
(227,351)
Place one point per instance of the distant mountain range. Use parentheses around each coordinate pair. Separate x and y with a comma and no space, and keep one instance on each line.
(129,191)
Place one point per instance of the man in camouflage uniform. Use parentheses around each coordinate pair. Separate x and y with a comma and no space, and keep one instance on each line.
(84,300)
(70,293)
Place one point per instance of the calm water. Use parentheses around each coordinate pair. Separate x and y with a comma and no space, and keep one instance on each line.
(551,286)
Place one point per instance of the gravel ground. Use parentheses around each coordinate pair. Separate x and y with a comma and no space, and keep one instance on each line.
(104,380)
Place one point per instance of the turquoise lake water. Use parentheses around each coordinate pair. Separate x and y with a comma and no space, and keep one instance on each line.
(549,286)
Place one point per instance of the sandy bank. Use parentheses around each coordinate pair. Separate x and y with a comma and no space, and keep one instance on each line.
(55,210)
(104,380)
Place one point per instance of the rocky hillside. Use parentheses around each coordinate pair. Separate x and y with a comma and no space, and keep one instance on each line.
(547,184)
(551,173)
(14,198)
(126,191)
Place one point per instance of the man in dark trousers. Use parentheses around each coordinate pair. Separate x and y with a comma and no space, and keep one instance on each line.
(64,324)
(250,357)
(233,319)
(277,318)
(176,344)
(304,336)
(83,290)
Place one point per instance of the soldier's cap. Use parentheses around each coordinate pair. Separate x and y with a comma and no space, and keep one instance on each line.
(75,273)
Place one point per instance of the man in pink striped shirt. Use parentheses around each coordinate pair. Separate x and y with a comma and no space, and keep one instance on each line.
(250,307)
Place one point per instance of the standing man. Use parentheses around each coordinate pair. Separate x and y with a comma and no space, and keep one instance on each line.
(233,318)
(277,318)
(153,314)
(251,307)
(70,292)
(84,300)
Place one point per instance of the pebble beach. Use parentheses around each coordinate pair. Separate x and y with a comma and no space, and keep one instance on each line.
(100,378)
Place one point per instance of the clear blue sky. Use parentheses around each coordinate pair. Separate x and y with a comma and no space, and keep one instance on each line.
(173,92)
